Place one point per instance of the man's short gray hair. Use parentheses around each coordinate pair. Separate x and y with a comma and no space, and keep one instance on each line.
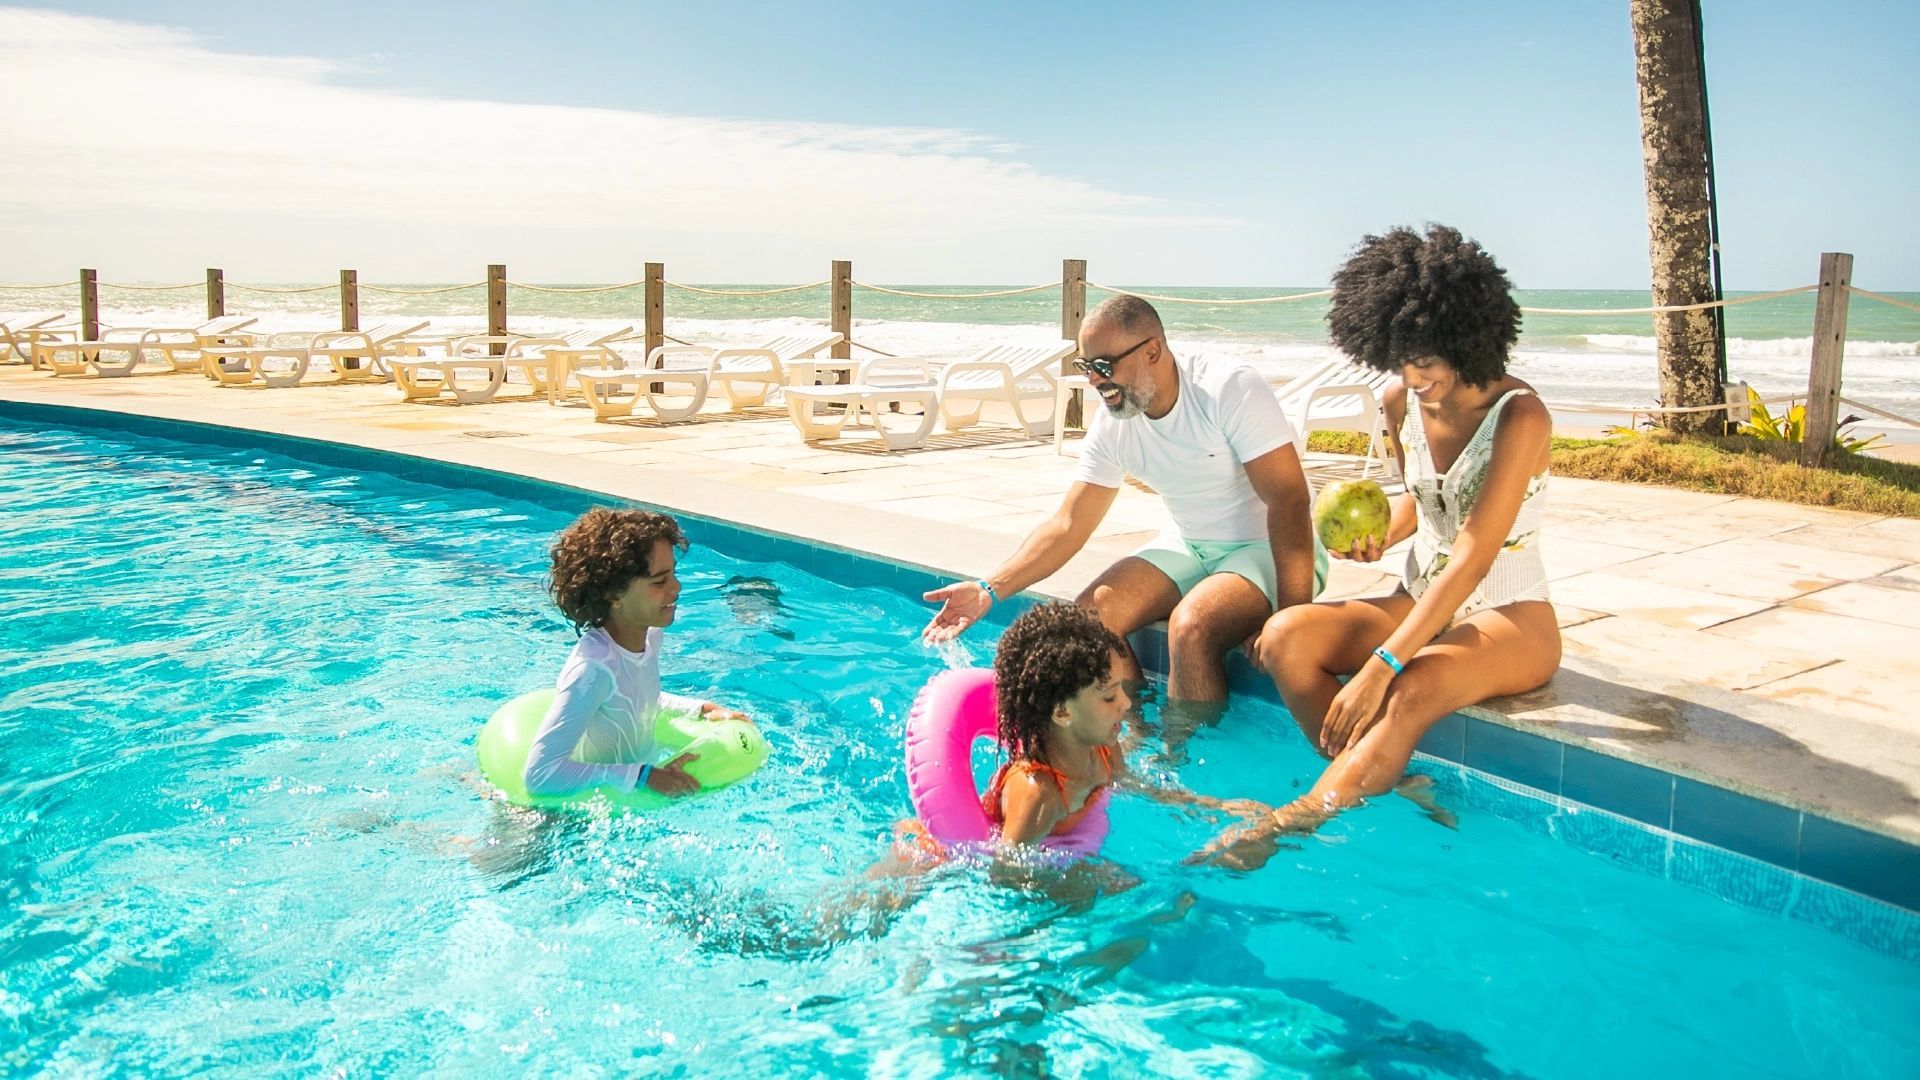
(1130,313)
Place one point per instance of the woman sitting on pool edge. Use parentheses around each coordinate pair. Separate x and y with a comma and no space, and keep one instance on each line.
(1471,619)
(613,577)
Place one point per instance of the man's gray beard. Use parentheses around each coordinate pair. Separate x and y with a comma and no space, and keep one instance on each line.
(1131,405)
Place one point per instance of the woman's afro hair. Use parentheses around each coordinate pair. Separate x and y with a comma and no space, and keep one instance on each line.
(1404,297)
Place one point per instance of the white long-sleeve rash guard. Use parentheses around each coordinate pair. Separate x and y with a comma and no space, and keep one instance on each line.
(600,728)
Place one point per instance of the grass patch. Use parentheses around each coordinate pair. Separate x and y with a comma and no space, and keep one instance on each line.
(1732,465)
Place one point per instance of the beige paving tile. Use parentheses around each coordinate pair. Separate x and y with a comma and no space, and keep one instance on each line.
(1692,609)
(1851,688)
(1687,654)
(950,508)
(1850,638)
(1696,570)
(1893,538)
(1566,557)
(1890,599)
(1568,615)
(1655,534)
(1811,564)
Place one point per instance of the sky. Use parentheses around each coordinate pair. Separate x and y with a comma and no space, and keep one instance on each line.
(932,143)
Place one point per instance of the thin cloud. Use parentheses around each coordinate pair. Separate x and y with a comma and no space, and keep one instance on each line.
(105,115)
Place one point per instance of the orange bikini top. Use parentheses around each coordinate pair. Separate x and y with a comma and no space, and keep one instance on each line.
(990,802)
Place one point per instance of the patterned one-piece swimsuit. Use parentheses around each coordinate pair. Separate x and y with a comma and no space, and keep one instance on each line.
(1444,501)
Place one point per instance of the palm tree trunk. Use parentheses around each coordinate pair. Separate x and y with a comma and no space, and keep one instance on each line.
(1673,142)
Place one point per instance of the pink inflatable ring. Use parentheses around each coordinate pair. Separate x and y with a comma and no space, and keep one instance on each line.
(951,711)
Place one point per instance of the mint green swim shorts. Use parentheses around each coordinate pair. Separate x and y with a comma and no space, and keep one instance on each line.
(1189,562)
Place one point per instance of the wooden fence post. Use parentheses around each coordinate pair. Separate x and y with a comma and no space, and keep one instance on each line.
(497,304)
(1073,311)
(89,305)
(1829,345)
(349,299)
(216,294)
(841,320)
(656,328)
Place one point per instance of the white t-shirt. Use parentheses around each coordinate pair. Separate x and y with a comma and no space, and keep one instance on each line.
(1196,455)
(600,728)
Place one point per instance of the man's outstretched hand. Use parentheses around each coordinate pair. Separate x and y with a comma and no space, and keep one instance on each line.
(961,605)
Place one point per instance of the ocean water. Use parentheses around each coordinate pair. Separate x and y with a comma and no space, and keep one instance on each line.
(1607,360)
(241,831)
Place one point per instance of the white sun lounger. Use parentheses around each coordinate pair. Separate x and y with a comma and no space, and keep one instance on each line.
(1011,374)
(780,362)
(123,350)
(878,384)
(248,365)
(20,331)
(534,357)
(1339,395)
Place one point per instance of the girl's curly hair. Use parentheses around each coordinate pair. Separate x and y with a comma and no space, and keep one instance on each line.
(598,556)
(1049,654)
(1402,297)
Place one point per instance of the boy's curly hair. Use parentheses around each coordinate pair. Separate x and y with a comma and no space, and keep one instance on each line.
(598,556)
(1403,296)
(1049,654)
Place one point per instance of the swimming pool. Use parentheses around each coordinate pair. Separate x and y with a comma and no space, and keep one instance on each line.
(238,691)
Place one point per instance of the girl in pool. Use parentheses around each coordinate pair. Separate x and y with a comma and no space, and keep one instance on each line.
(1471,618)
(1060,702)
(613,578)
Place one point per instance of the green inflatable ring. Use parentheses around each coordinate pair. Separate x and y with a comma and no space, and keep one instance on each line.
(729,750)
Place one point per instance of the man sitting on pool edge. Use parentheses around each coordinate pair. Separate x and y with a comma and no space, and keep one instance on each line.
(1211,438)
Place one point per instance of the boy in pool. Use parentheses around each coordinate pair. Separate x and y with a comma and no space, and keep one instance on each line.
(613,578)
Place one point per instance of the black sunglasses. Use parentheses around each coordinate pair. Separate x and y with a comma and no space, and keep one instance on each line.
(1103,365)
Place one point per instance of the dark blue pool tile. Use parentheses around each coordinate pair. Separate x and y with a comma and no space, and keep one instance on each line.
(1447,739)
(1866,862)
(1728,819)
(1731,877)
(1513,755)
(1620,787)
(1880,927)
(1150,648)
(1611,838)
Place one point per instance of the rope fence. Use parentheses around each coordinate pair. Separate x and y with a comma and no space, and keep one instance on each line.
(1882,413)
(743,292)
(152,288)
(1193,300)
(577,288)
(29,288)
(957,296)
(420,292)
(1667,309)
(280,291)
(1896,302)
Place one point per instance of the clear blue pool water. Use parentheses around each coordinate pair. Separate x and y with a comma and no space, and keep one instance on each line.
(242,832)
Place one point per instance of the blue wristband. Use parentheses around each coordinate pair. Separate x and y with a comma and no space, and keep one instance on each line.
(988,586)
(641,780)
(1391,661)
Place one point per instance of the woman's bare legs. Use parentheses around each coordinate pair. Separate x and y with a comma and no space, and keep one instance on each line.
(1305,648)
(1504,650)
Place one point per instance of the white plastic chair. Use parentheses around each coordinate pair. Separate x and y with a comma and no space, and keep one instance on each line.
(494,357)
(1339,395)
(1011,374)
(615,391)
(893,380)
(21,330)
(246,365)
